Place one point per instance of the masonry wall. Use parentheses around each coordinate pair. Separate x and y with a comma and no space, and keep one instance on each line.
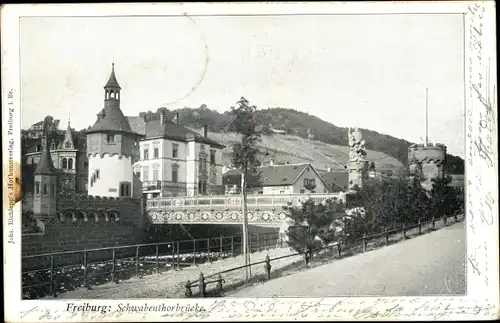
(75,233)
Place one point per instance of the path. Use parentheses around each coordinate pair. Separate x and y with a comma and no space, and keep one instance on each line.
(432,264)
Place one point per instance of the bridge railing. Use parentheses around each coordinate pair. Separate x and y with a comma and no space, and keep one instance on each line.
(227,201)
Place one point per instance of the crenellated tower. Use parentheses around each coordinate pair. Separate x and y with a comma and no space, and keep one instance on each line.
(112,148)
(427,160)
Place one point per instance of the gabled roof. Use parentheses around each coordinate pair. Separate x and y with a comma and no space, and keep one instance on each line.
(277,175)
(337,181)
(46,166)
(168,130)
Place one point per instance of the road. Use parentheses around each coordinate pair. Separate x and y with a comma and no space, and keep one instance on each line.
(432,264)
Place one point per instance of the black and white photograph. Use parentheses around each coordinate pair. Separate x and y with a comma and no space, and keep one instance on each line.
(171,166)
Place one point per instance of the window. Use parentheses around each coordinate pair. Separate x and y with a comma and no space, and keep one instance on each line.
(53,190)
(146,154)
(70,163)
(302,191)
(110,138)
(138,174)
(86,165)
(64,163)
(96,173)
(145,174)
(156,152)
(156,172)
(175,173)
(124,189)
(212,157)
(175,149)
(37,188)
(309,182)
(44,189)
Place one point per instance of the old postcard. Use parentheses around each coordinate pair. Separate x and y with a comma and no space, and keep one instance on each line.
(260,161)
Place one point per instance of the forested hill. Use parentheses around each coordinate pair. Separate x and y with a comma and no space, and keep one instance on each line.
(306,126)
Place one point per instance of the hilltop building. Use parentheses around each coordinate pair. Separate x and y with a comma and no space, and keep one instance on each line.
(278,179)
(174,160)
(36,130)
(112,149)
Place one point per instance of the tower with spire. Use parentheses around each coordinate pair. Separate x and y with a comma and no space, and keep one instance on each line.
(111,148)
(45,180)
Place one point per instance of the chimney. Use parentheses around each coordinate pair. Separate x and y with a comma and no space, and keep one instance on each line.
(205,131)
(329,169)
(162,117)
(271,162)
(176,117)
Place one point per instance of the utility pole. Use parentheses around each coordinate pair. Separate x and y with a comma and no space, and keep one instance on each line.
(245,246)
(426,117)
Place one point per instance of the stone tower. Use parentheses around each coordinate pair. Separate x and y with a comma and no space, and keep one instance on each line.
(427,160)
(357,164)
(45,176)
(112,148)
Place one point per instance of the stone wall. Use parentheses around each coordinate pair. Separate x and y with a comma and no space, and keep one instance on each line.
(86,223)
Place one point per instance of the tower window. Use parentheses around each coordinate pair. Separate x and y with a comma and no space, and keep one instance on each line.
(110,138)
(175,149)
(64,163)
(96,173)
(212,157)
(70,163)
(146,154)
(53,190)
(37,188)
(156,172)
(156,153)
(124,189)
(44,189)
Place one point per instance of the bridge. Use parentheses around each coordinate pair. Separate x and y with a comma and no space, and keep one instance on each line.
(263,210)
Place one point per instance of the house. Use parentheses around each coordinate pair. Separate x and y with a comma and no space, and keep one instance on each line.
(278,179)
(36,129)
(174,160)
(338,181)
(68,153)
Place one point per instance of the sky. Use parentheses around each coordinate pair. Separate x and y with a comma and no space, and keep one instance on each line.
(368,71)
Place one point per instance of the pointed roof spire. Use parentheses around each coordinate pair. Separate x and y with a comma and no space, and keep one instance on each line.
(46,166)
(68,138)
(112,82)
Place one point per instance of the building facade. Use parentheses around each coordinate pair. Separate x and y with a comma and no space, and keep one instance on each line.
(176,161)
(278,179)
(68,154)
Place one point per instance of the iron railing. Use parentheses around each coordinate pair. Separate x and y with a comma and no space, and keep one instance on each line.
(55,273)
(345,246)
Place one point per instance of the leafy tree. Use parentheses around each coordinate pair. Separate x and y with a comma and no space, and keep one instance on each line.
(245,156)
(314,225)
(443,198)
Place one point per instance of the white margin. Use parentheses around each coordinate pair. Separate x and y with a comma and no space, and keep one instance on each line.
(482,300)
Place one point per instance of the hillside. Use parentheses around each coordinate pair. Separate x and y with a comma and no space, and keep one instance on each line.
(308,138)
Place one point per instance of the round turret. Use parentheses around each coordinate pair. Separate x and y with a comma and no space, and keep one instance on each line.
(428,159)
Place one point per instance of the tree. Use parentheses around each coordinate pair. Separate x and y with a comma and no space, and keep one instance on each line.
(314,225)
(244,157)
(442,196)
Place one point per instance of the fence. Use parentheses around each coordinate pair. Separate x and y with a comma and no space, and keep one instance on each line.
(340,247)
(55,273)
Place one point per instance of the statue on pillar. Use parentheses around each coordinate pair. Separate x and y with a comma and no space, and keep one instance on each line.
(357,150)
